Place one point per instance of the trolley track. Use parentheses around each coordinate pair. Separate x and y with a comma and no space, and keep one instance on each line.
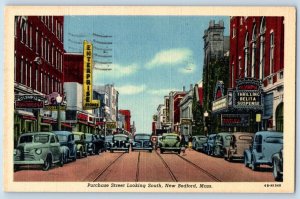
(138,168)
(167,167)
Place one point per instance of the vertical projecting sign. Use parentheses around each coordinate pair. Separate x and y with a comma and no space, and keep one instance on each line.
(88,102)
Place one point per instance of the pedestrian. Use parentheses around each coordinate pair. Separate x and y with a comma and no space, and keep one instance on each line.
(182,145)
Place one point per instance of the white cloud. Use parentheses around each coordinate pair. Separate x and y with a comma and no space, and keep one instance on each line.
(170,57)
(161,92)
(117,70)
(131,89)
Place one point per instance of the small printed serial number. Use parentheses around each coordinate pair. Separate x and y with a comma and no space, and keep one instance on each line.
(272,185)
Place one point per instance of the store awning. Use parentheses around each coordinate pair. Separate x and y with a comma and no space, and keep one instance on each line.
(66,125)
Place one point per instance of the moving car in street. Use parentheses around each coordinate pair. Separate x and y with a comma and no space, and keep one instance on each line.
(263,148)
(277,165)
(142,142)
(81,147)
(208,147)
(38,148)
(238,143)
(170,142)
(120,142)
(198,141)
(67,145)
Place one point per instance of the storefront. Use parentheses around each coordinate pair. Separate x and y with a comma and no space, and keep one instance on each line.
(24,121)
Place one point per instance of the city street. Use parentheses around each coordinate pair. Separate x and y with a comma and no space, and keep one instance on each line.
(143,166)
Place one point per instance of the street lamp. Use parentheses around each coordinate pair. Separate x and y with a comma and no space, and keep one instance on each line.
(58,101)
(205,118)
(104,122)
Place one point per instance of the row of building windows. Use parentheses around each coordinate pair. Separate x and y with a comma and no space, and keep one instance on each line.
(250,63)
(53,25)
(42,46)
(25,73)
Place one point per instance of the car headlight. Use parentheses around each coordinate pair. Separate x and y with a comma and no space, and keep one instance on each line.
(38,151)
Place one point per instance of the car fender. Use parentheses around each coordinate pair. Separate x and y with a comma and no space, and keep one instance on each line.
(248,155)
(64,150)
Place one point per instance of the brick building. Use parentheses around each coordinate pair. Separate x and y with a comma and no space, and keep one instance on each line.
(127,115)
(257,51)
(38,67)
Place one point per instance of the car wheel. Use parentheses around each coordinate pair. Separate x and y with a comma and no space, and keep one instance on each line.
(111,151)
(150,150)
(127,151)
(61,161)
(66,158)
(254,166)
(276,174)
(229,158)
(178,151)
(161,151)
(80,154)
(47,163)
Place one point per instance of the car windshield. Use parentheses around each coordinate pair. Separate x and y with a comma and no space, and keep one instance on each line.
(41,139)
(275,140)
(246,137)
(89,137)
(142,137)
(121,138)
(108,138)
(171,137)
(26,139)
(76,137)
(62,138)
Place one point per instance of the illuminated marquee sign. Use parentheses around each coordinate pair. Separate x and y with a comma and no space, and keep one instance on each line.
(88,102)
(219,104)
(29,101)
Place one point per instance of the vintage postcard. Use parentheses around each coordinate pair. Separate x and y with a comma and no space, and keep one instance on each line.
(149,99)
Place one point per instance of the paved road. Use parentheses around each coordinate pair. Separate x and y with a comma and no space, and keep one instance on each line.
(144,166)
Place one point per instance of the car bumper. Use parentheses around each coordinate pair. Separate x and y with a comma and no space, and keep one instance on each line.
(170,148)
(142,148)
(119,148)
(24,162)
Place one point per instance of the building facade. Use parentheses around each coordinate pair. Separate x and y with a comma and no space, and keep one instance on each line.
(257,51)
(38,68)
(186,113)
(174,112)
(127,117)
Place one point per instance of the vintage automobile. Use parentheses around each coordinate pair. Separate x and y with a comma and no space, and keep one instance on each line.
(81,146)
(239,141)
(277,165)
(198,141)
(222,141)
(120,142)
(264,146)
(170,142)
(158,141)
(67,145)
(90,143)
(108,141)
(208,146)
(142,142)
(38,148)
(99,144)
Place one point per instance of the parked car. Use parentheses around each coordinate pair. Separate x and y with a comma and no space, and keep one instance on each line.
(239,141)
(277,165)
(208,147)
(108,141)
(198,141)
(90,143)
(222,141)
(264,146)
(170,142)
(99,144)
(81,146)
(159,138)
(39,148)
(67,145)
(142,142)
(120,142)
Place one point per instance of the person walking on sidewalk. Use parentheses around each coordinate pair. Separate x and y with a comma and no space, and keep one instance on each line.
(182,145)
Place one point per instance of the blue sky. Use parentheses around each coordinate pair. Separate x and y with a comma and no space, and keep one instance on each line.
(151,55)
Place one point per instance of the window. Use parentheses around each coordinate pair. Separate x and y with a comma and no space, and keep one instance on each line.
(22,32)
(15,67)
(41,80)
(272,46)
(240,67)
(21,71)
(232,75)
(30,36)
(26,34)
(26,73)
(48,51)
(30,75)
(42,46)
(262,48)
(52,23)
(233,32)
(246,55)
(61,62)
(48,82)
(36,78)
(16,25)
(253,54)
(52,54)
(37,41)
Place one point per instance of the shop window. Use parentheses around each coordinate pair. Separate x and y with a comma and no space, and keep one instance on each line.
(246,55)
(279,118)
(272,47)
(262,48)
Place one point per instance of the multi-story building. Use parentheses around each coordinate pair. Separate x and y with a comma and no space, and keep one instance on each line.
(38,67)
(186,113)
(127,117)
(174,113)
(257,52)
(215,46)
(161,118)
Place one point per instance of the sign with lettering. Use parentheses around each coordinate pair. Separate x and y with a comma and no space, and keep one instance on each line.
(185,121)
(88,102)
(82,117)
(54,107)
(220,104)
(29,101)
(241,120)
